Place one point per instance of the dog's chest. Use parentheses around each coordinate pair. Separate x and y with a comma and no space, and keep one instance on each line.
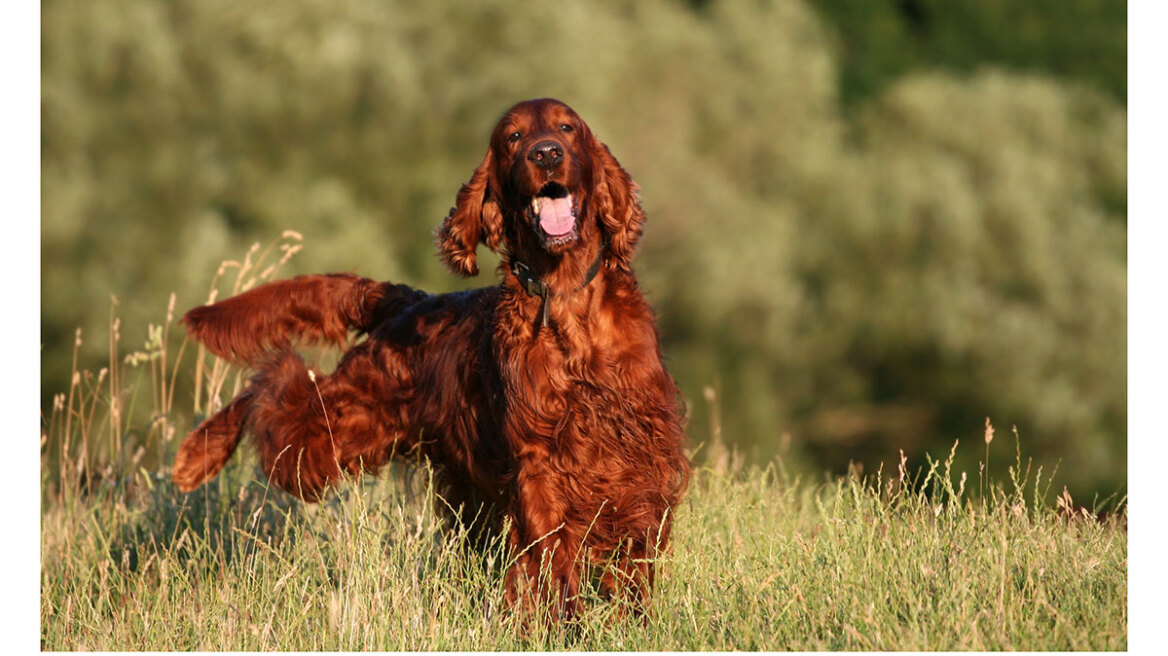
(592,405)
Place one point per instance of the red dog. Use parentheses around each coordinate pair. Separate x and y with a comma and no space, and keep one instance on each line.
(542,401)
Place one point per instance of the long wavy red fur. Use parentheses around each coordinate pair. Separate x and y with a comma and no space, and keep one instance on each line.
(568,432)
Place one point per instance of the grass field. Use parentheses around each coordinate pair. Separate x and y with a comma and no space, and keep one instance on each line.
(761,559)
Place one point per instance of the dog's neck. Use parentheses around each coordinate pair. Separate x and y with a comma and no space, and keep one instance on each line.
(535,286)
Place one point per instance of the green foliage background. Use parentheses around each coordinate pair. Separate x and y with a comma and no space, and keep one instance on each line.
(853,263)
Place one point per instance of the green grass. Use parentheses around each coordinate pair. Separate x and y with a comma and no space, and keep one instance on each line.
(761,559)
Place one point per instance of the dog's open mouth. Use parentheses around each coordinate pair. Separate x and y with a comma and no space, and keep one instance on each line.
(553,209)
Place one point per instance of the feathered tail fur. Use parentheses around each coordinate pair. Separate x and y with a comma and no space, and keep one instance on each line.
(259,328)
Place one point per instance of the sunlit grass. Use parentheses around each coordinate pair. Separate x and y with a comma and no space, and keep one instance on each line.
(760,561)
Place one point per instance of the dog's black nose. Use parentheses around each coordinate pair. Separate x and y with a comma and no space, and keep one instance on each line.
(546,154)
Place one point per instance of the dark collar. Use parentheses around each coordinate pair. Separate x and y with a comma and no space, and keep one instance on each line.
(536,287)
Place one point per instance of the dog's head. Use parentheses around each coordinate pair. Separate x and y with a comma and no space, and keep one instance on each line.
(545,187)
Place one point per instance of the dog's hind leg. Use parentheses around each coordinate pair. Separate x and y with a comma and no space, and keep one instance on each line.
(207,449)
(311,429)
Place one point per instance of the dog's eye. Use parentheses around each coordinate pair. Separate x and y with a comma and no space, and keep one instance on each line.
(564,127)
(514,136)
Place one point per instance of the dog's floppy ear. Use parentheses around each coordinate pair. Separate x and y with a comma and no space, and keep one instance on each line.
(474,218)
(617,204)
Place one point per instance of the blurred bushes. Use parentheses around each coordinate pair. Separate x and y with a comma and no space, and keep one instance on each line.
(954,248)
(1083,40)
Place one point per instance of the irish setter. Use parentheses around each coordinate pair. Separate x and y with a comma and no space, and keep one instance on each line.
(542,402)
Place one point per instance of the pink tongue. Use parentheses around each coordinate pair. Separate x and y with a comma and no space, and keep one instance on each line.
(555,216)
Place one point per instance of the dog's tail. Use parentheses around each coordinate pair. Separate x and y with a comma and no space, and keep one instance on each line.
(305,309)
